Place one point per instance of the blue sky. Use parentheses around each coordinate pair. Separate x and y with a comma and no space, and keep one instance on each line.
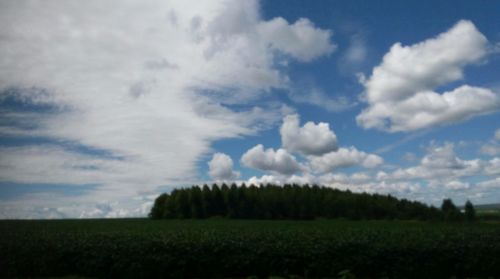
(105,105)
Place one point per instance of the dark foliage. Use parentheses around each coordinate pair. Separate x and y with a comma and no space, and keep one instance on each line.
(450,211)
(470,212)
(237,249)
(291,202)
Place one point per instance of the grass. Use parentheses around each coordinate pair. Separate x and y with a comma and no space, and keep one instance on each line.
(489,215)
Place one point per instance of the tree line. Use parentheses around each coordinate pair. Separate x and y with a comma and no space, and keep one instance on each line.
(292,201)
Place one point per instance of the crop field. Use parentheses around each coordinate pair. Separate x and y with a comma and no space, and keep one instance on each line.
(221,248)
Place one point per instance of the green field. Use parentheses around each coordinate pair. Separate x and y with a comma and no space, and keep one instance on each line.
(220,248)
(487,212)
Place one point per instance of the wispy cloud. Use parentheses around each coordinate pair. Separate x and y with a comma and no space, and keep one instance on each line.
(129,75)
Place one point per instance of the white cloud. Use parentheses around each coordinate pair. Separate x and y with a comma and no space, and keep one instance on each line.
(221,167)
(492,167)
(279,161)
(317,143)
(343,158)
(442,157)
(279,179)
(53,164)
(265,179)
(427,109)
(360,177)
(125,77)
(315,96)
(356,51)
(310,139)
(56,206)
(492,183)
(457,185)
(301,39)
(399,91)
(491,149)
(356,182)
(439,174)
(441,162)
(409,69)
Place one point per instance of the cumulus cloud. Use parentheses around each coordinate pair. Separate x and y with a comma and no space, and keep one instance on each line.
(343,158)
(125,78)
(399,91)
(279,161)
(221,167)
(497,135)
(441,162)
(439,174)
(317,143)
(310,139)
(433,62)
(358,182)
(278,179)
(442,157)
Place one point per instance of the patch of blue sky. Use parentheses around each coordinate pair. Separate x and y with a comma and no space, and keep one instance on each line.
(380,24)
(12,99)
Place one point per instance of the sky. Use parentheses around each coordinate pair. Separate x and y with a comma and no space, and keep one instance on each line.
(106,104)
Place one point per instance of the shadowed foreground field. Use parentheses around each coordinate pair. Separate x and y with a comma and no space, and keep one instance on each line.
(142,248)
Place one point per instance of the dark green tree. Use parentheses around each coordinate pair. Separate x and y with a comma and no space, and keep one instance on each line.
(196,202)
(292,202)
(158,207)
(182,206)
(218,205)
(450,211)
(231,201)
(206,196)
(470,212)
